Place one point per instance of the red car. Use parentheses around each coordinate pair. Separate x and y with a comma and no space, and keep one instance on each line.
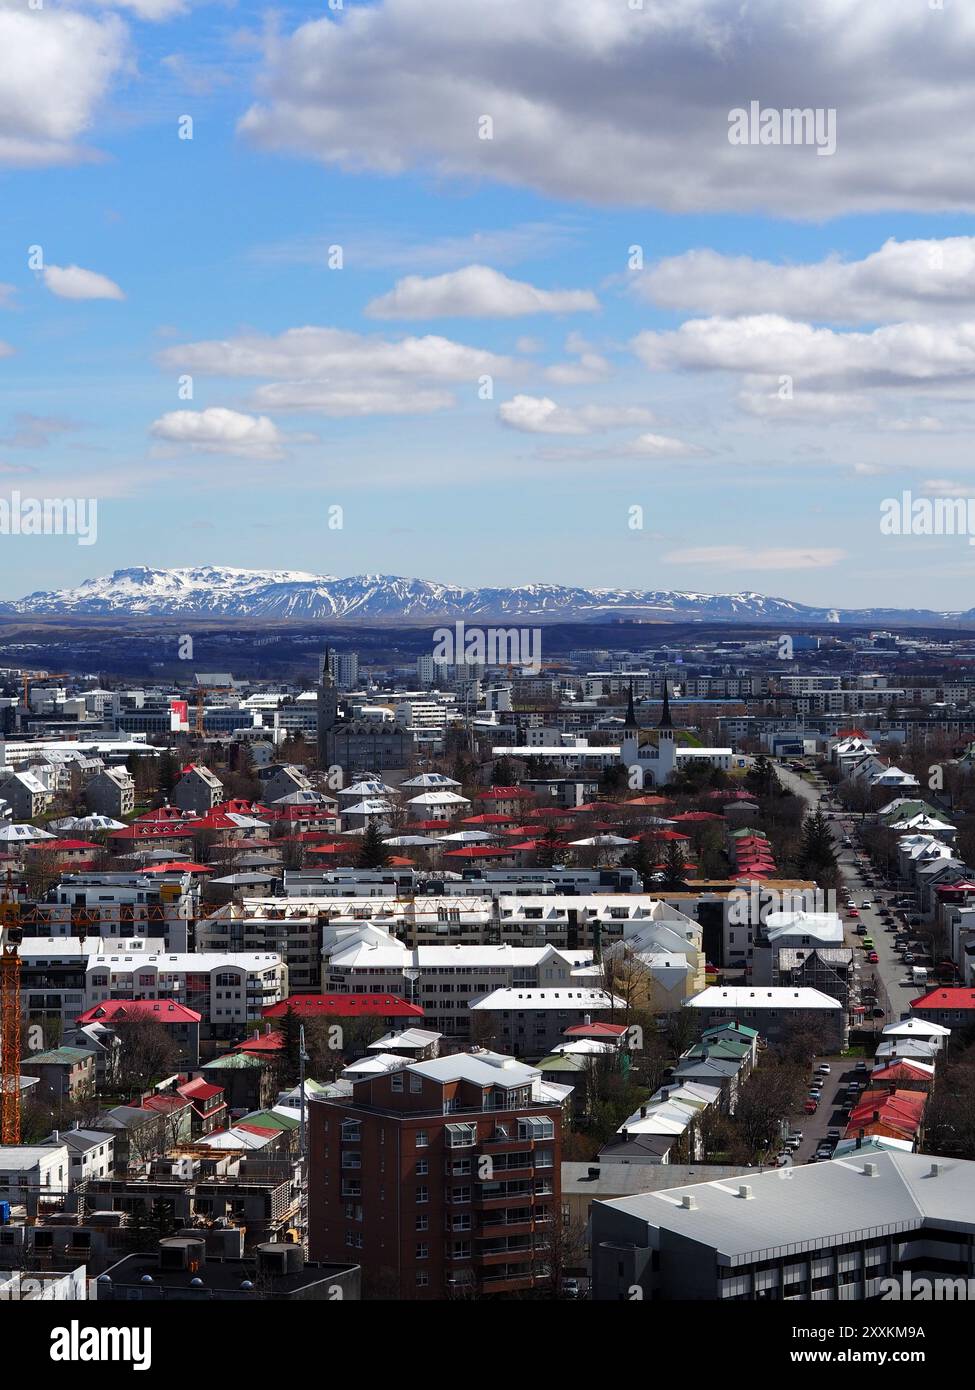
(873,958)
(811,1106)
(854,912)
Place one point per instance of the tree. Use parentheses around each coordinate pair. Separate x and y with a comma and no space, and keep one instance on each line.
(817,854)
(504,772)
(147,1052)
(372,852)
(675,870)
(289,1057)
(42,869)
(549,851)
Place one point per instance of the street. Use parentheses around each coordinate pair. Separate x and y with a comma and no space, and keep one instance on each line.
(894,976)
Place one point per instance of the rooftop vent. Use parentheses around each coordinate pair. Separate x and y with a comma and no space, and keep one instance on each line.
(871,1170)
(745,1192)
(688,1202)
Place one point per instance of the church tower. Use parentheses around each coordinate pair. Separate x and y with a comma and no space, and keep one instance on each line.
(328,710)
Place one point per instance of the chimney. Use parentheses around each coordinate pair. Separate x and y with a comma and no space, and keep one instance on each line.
(56,1134)
(935,1171)
(745,1192)
(870,1170)
(625,1133)
(688,1203)
(643,1112)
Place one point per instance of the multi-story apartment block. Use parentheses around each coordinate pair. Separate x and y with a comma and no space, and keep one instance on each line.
(835,1231)
(111,792)
(198,790)
(439,1178)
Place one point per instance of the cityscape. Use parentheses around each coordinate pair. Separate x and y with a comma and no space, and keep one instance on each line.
(487,672)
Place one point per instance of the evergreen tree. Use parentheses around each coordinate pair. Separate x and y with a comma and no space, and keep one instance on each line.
(504,772)
(289,1058)
(549,852)
(372,853)
(818,853)
(675,870)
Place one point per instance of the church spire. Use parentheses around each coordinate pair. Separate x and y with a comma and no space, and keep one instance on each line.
(630,710)
(665,720)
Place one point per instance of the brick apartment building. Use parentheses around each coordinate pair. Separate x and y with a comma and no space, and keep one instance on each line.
(439,1179)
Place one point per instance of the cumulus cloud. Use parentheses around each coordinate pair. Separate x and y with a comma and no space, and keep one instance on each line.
(220,431)
(768,347)
(72,282)
(618,105)
(341,373)
(56,67)
(743,557)
(541,415)
(476,291)
(925,279)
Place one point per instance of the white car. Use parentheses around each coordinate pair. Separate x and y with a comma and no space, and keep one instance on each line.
(823,1069)
(866,903)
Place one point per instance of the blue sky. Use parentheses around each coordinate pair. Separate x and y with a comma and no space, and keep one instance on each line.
(656,387)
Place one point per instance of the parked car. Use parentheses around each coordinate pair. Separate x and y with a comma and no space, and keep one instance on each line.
(861,1065)
(835,1134)
(908,957)
(873,958)
(571,1288)
(811,1106)
(823,1069)
(782,1160)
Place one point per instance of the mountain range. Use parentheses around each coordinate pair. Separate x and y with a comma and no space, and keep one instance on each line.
(217,591)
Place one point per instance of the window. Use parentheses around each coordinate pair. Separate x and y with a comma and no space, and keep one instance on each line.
(422,1222)
(422,1250)
(396,1081)
(351,1131)
(422,1194)
(422,1168)
(422,1139)
(461,1136)
(351,1160)
(422,1278)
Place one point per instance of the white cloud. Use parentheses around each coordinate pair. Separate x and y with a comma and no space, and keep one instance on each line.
(943,487)
(220,431)
(924,279)
(744,558)
(617,105)
(72,282)
(541,415)
(476,291)
(56,67)
(340,373)
(662,446)
(153,11)
(768,346)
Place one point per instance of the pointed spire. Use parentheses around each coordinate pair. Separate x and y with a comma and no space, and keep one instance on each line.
(665,720)
(630,710)
(327,680)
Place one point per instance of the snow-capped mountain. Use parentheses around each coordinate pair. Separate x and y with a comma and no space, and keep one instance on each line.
(224,591)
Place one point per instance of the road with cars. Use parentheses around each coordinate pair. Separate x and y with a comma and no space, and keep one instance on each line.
(888,978)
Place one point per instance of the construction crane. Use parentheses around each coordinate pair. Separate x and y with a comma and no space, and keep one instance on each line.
(10,937)
(49,676)
(201,692)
